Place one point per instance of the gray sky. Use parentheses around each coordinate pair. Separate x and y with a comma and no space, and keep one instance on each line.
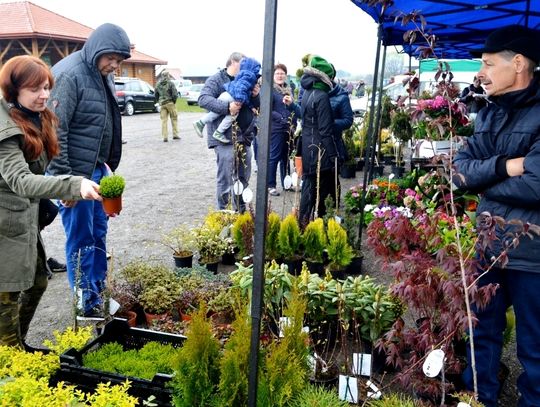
(198,35)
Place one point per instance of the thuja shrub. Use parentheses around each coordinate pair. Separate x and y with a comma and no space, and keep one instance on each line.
(242,232)
(285,365)
(197,365)
(233,384)
(272,232)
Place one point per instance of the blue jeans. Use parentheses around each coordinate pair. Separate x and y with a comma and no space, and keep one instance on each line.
(522,290)
(86,254)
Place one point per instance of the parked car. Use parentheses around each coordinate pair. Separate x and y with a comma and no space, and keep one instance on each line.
(192,97)
(134,95)
(182,86)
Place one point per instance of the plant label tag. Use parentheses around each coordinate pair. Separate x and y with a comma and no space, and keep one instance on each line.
(283,323)
(362,364)
(287,182)
(337,219)
(348,388)
(114,306)
(434,363)
(247,195)
(294,179)
(463,404)
(305,329)
(238,187)
(312,363)
(373,392)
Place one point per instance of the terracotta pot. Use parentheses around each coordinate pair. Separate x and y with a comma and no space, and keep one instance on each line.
(298,166)
(112,206)
(131,317)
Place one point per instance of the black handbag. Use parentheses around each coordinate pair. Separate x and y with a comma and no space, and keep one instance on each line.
(47,212)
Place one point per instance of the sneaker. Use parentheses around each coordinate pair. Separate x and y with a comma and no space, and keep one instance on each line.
(56,266)
(219,136)
(94,314)
(165,140)
(176,138)
(199,127)
(273,192)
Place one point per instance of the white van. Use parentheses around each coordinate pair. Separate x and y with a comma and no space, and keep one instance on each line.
(182,86)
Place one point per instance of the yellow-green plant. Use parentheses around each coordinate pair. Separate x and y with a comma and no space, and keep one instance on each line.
(393,400)
(233,384)
(210,244)
(272,232)
(197,365)
(145,363)
(314,239)
(112,186)
(285,370)
(289,238)
(70,338)
(242,230)
(340,252)
(181,240)
(320,397)
(15,362)
(107,395)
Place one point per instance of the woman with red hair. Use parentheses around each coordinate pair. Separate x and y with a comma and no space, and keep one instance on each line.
(27,143)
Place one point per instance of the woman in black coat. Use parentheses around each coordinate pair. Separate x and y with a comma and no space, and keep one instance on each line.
(316,144)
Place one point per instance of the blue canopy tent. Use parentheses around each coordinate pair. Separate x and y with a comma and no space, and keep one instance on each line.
(459,26)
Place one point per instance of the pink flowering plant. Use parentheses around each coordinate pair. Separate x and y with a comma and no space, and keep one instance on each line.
(440,118)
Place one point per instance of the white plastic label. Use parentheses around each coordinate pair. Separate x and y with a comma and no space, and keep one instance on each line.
(238,188)
(434,363)
(362,364)
(294,179)
(348,388)
(247,195)
(287,182)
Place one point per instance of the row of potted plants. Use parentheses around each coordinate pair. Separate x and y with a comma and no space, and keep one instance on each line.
(224,232)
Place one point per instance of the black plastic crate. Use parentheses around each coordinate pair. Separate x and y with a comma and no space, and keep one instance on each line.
(72,370)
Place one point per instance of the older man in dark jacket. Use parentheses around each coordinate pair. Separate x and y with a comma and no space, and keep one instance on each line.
(90,138)
(502,162)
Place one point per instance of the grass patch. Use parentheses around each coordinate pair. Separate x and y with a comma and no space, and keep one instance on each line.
(182,106)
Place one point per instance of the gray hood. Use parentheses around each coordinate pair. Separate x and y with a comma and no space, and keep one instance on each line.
(106,39)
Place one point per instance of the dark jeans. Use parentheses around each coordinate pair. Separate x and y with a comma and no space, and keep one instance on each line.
(522,290)
(309,195)
(278,155)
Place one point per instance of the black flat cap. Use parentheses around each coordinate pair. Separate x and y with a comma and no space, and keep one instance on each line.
(517,38)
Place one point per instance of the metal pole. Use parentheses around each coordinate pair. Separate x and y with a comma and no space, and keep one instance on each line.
(367,152)
(376,139)
(261,204)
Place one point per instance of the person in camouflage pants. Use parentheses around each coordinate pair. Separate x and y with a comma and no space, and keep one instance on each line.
(166,95)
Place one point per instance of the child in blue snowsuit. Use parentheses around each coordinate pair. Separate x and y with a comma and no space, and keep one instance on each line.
(237,90)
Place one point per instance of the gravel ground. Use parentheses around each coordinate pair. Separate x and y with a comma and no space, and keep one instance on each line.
(167,184)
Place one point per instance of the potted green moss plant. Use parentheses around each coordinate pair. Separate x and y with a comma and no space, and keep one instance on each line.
(181,240)
(314,238)
(290,238)
(111,188)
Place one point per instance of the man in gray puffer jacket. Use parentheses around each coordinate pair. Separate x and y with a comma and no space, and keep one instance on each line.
(90,137)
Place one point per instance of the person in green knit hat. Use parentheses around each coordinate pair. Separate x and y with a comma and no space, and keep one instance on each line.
(317,145)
